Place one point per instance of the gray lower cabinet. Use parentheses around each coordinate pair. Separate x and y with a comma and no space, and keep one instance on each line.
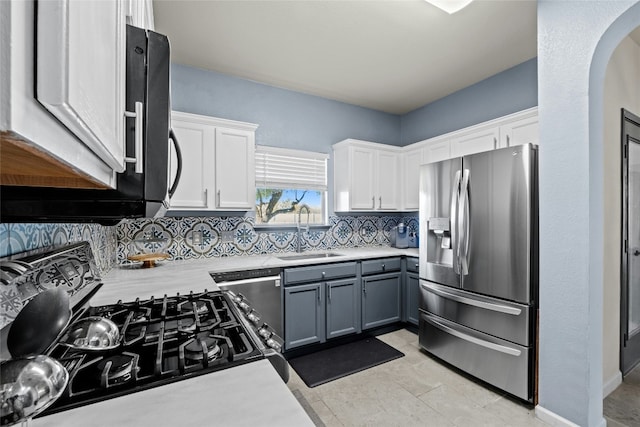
(321,302)
(381,299)
(412,291)
(342,307)
(304,315)
(317,312)
(413,298)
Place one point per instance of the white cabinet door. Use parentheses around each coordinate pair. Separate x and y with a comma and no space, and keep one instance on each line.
(479,140)
(234,169)
(387,175)
(81,71)
(437,150)
(520,132)
(362,179)
(197,147)
(412,161)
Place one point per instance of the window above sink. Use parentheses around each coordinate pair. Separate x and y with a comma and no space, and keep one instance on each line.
(291,187)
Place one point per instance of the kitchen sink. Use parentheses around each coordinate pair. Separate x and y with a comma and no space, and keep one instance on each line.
(309,256)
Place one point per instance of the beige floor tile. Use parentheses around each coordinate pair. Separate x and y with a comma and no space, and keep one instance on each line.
(458,409)
(325,414)
(514,413)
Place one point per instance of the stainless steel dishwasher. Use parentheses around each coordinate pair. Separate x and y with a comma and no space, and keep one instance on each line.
(261,288)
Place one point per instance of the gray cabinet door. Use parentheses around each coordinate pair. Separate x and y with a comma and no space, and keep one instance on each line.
(380,299)
(343,307)
(413,298)
(304,315)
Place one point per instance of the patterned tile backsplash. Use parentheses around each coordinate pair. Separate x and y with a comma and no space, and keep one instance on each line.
(199,237)
(16,238)
(207,237)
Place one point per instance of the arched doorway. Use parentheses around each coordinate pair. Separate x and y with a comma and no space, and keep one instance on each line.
(621,347)
(575,43)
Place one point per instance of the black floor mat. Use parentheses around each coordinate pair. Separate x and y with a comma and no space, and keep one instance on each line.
(337,362)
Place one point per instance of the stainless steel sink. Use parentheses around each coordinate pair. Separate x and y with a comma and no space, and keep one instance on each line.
(308,256)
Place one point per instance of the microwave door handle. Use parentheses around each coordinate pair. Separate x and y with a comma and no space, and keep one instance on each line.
(138,114)
(455,196)
(463,221)
(172,137)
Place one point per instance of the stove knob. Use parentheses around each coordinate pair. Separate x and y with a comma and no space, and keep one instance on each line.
(265,332)
(274,344)
(253,317)
(244,306)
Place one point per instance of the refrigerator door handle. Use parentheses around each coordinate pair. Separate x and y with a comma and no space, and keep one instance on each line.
(469,301)
(455,198)
(463,223)
(492,346)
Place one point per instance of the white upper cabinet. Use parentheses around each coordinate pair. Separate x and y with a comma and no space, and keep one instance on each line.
(437,149)
(81,71)
(411,174)
(521,131)
(475,141)
(80,65)
(366,176)
(218,163)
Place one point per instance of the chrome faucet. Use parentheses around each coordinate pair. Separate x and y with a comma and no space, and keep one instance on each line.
(301,228)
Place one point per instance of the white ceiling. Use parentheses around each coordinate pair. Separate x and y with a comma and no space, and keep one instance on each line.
(389,55)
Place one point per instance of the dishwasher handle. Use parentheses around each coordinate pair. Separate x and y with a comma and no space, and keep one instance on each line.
(275,279)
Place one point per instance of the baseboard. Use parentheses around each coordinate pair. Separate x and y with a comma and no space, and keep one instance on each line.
(552,418)
(556,420)
(611,384)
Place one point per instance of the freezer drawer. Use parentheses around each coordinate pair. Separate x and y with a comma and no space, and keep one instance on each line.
(501,363)
(506,320)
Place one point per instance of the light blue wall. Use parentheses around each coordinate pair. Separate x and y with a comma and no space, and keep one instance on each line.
(507,92)
(287,119)
(575,42)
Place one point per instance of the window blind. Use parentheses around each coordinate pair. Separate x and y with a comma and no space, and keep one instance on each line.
(290,169)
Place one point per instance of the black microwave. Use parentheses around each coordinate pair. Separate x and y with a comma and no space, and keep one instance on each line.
(140,192)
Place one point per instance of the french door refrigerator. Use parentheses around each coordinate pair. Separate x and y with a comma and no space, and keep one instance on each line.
(479,265)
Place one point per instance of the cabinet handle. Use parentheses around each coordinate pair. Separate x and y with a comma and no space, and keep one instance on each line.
(373,202)
(508,141)
(219,198)
(417,265)
(383,267)
(318,295)
(323,274)
(364,288)
(138,160)
(380,204)
(329,292)
(495,142)
(206,197)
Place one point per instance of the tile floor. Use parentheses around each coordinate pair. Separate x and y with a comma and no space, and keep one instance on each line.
(622,407)
(410,391)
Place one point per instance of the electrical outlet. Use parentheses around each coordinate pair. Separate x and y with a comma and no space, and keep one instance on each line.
(197,237)
(226,236)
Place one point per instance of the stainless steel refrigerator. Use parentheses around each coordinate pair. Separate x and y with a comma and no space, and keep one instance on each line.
(479,265)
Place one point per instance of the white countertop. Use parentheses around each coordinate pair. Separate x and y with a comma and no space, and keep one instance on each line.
(247,395)
(130,282)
